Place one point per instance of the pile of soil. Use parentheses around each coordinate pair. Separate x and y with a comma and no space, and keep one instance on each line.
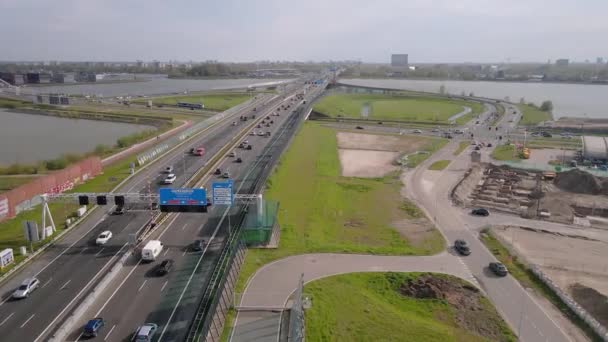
(594,302)
(581,182)
(470,312)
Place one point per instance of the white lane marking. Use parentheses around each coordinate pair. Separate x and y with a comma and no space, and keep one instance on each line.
(166,251)
(24,323)
(161,289)
(101,250)
(142,285)
(64,285)
(109,332)
(6,319)
(83,250)
(117,288)
(47,282)
(184,252)
(84,288)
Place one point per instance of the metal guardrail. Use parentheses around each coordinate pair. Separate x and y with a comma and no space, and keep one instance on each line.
(153,152)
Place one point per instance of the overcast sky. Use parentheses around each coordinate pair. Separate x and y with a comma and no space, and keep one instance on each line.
(247,30)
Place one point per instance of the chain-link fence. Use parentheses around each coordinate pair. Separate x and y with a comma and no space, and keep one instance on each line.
(296,315)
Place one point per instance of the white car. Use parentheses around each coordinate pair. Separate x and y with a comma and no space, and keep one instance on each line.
(232,154)
(27,286)
(104,237)
(170,179)
(252,133)
(417,131)
(260,133)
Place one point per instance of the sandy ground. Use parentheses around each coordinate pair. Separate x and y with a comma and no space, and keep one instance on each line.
(367,164)
(379,142)
(544,155)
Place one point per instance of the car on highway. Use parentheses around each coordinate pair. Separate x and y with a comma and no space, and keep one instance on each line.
(498,268)
(434,130)
(91,329)
(170,178)
(218,172)
(462,247)
(233,123)
(546,135)
(199,151)
(226,175)
(239,160)
(119,210)
(417,131)
(164,267)
(480,212)
(26,288)
(145,333)
(261,134)
(252,133)
(168,169)
(103,238)
(232,154)
(198,245)
(248,147)
(489,144)
(359,127)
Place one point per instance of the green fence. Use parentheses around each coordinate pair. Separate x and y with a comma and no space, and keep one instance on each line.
(257,229)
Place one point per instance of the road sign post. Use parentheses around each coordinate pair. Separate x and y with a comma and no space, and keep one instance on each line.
(223,194)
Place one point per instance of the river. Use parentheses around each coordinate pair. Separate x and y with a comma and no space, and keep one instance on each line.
(584,100)
(151,86)
(28,138)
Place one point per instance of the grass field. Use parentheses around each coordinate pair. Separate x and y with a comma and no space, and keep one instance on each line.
(11,232)
(559,143)
(532,115)
(505,152)
(528,280)
(216,102)
(321,211)
(440,165)
(386,107)
(11,182)
(369,307)
(461,147)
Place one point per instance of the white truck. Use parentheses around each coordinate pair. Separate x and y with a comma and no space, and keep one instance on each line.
(151,250)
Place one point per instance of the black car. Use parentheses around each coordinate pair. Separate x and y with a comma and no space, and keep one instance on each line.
(91,329)
(198,245)
(477,148)
(249,147)
(489,144)
(462,247)
(119,210)
(359,127)
(480,212)
(546,134)
(498,268)
(164,267)
(218,172)
(192,150)
(239,160)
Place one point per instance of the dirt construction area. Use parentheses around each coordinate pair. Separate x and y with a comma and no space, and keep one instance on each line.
(577,265)
(373,155)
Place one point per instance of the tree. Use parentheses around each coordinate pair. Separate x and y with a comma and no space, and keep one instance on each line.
(546,106)
(442,90)
(471,94)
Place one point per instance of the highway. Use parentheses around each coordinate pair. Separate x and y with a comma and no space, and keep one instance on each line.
(69,268)
(431,191)
(138,296)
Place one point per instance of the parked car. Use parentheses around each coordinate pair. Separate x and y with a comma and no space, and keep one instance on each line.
(145,332)
(499,269)
(462,247)
(164,267)
(170,179)
(480,212)
(26,288)
(198,245)
(169,169)
(103,238)
(91,329)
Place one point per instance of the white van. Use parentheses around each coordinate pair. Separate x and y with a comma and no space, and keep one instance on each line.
(151,250)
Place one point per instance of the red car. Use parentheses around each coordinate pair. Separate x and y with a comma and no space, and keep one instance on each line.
(199,151)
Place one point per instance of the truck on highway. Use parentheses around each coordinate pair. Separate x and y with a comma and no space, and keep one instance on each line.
(151,250)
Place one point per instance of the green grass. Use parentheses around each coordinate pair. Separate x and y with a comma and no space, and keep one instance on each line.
(557,143)
(11,232)
(440,165)
(431,147)
(532,115)
(217,102)
(387,107)
(321,211)
(228,323)
(461,147)
(11,182)
(505,152)
(528,279)
(369,307)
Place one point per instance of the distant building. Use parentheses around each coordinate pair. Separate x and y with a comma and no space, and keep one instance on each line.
(64,78)
(85,77)
(38,77)
(399,60)
(563,62)
(12,78)
(595,147)
(599,60)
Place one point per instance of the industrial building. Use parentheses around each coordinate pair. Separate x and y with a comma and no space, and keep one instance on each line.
(563,62)
(38,77)
(12,78)
(595,147)
(64,78)
(399,60)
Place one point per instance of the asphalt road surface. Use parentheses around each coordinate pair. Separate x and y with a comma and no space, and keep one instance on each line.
(69,268)
(138,295)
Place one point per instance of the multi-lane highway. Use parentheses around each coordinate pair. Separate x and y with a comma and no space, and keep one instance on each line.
(71,267)
(138,295)
(431,189)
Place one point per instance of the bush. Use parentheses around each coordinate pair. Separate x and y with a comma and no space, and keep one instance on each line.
(546,106)
(56,164)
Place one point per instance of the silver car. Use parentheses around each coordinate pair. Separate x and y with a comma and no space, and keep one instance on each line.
(27,286)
